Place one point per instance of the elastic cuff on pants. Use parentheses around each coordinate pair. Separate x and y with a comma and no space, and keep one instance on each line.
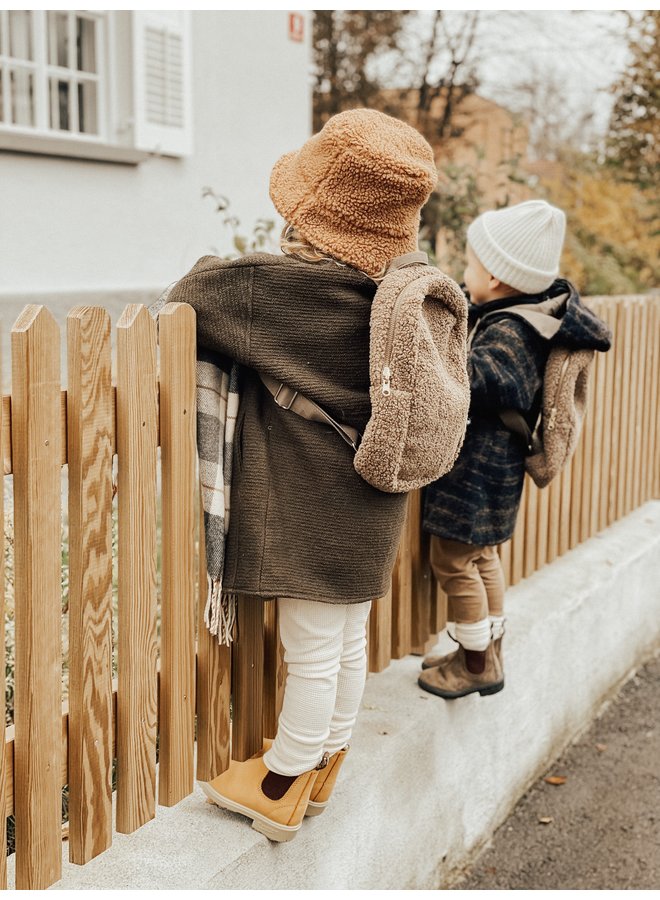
(473,635)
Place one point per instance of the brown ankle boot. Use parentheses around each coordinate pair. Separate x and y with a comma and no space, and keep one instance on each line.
(276,804)
(466,672)
(430,662)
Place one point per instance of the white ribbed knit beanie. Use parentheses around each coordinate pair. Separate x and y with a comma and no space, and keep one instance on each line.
(520,245)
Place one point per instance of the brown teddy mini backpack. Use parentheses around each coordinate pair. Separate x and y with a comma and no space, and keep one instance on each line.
(420,391)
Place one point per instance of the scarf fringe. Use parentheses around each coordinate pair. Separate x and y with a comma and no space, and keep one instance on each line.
(220,612)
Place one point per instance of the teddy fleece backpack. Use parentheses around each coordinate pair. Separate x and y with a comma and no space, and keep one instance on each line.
(420,391)
(554,438)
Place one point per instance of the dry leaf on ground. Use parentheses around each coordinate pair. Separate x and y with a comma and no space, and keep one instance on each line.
(555,779)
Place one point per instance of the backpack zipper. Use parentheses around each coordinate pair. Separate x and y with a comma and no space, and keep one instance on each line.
(553,412)
(386,371)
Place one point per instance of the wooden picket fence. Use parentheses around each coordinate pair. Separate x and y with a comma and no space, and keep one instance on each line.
(174,682)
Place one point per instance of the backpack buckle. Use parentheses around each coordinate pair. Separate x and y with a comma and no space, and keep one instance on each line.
(291,396)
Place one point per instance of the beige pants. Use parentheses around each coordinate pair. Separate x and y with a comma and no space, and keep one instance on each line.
(472,578)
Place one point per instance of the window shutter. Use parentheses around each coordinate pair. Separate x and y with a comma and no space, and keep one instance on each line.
(162,82)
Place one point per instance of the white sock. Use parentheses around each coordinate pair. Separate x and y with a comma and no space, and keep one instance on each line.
(450,628)
(497,626)
(474,635)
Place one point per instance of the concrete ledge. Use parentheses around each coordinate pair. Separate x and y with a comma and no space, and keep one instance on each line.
(428,781)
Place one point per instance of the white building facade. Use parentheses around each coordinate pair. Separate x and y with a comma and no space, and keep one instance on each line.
(112,123)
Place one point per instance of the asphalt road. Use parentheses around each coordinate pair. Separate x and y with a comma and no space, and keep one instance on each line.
(600,827)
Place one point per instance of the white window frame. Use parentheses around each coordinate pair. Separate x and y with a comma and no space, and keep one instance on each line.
(43,139)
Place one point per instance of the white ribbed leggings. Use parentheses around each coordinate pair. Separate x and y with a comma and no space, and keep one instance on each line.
(325,652)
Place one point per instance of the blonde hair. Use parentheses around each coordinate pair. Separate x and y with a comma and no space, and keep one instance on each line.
(292,243)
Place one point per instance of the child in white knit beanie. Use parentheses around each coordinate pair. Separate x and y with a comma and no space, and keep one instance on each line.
(512,260)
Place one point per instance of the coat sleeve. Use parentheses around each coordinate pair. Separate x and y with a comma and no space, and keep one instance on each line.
(505,366)
(220,292)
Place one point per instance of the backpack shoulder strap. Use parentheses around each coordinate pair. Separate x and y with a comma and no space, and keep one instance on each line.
(288,398)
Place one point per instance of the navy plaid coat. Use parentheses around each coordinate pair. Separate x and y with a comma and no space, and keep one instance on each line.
(477,501)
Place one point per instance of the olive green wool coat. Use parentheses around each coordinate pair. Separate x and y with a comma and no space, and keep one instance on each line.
(303,523)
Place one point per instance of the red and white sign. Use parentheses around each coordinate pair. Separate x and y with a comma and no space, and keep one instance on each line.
(296,27)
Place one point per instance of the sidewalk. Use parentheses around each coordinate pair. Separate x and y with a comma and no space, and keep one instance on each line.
(604,828)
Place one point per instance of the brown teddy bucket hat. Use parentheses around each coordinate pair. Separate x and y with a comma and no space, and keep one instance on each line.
(355,189)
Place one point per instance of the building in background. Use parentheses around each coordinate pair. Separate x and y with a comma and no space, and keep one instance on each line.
(111,125)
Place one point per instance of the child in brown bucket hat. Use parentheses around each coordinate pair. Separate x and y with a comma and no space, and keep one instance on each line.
(305,527)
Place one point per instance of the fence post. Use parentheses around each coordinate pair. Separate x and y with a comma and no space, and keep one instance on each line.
(402,593)
(137,437)
(213,690)
(37,459)
(274,669)
(379,641)
(177,630)
(3,680)
(89,456)
(247,673)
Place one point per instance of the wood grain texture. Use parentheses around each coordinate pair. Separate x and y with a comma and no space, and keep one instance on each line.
(610,316)
(419,544)
(3,680)
(274,669)
(36,439)
(641,358)
(595,443)
(530,528)
(379,633)
(89,435)
(177,405)
(247,672)
(213,682)
(620,418)
(402,594)
(137,437)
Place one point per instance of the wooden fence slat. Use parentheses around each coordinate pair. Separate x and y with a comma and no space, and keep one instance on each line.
(565,481)
(631,423)
(621,405)
(402,594)
(213,677)
(647,403)
(641,360)
(654,453)
(247,673)
(420,566)
(3,679)
(137,700)
(177,403)
(530,528)
(89,452)
(36,439)
(274,669)
(518,539)
(591,472)
(609,369)
(379,640)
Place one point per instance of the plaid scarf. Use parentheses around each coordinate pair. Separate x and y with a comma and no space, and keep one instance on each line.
(217,406)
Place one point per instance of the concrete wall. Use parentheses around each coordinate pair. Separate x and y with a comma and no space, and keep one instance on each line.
(70,224)
(428,781)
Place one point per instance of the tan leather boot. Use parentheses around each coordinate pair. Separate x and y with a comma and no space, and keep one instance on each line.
(325,779)
(278,812)
(325,782)
(466,672)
